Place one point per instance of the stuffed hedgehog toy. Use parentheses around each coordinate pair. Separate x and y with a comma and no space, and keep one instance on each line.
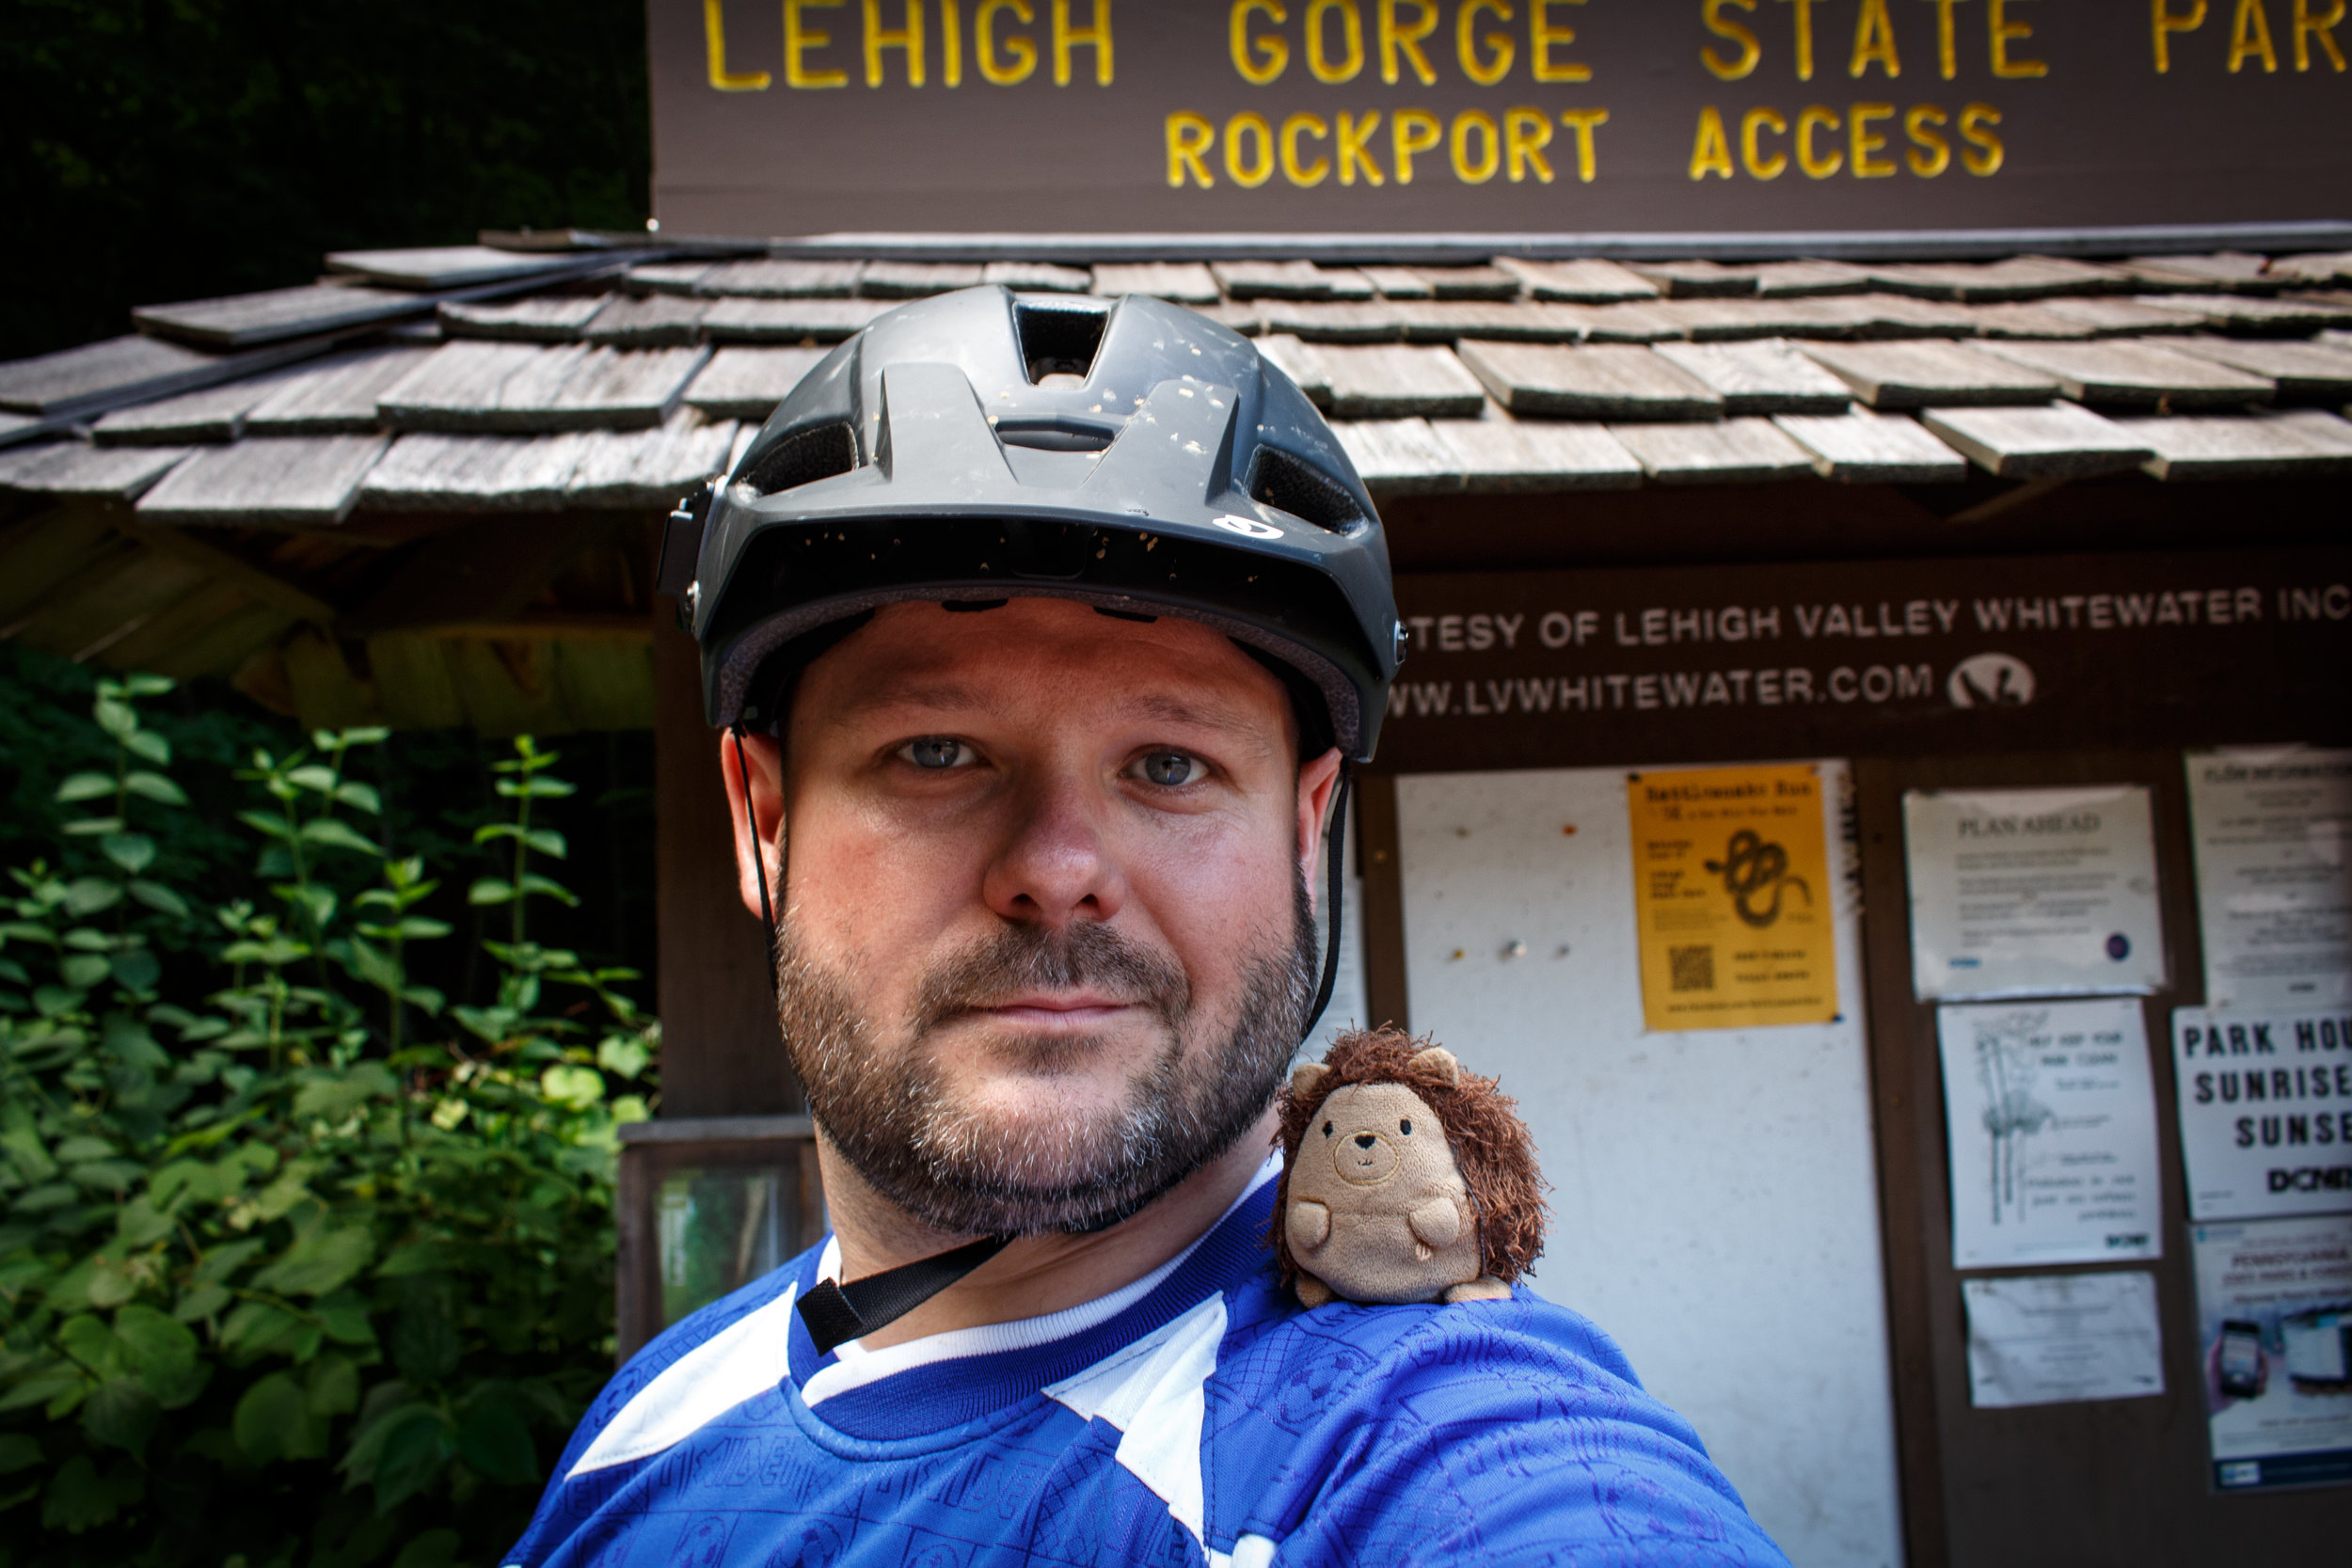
(1405,1178)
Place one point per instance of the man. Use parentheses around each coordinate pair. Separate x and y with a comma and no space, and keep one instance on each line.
(1043,631)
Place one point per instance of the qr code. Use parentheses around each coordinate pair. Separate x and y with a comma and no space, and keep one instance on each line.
(1691,967)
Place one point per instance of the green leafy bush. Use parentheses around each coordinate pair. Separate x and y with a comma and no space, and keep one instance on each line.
(308,1265)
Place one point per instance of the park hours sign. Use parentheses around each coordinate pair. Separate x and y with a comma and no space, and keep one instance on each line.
(1531,117)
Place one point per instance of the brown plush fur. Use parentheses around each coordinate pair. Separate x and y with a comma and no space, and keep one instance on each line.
(1490,1142)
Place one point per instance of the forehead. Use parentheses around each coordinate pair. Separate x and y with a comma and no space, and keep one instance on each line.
(1052,655)
(1377,1101)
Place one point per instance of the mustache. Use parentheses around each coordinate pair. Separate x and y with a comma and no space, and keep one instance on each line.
(1017,960)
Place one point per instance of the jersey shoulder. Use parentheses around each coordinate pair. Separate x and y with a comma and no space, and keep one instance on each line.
(1504,1431)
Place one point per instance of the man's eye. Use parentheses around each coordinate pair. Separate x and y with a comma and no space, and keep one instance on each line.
(1172,770)
(936,752)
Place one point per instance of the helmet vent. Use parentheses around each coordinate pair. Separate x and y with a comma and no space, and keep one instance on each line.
(1058,339)
(1284,481)
(804,459)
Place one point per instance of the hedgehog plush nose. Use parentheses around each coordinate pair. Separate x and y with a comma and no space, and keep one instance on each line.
(1365,1140)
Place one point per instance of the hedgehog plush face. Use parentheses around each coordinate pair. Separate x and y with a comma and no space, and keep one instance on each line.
(1406,1179)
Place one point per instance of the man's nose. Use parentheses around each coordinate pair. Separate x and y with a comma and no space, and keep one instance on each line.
(1056,866)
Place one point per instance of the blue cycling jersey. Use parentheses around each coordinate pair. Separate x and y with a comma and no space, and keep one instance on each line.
(1197,1417)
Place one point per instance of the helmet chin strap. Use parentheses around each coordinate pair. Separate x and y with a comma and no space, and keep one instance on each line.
(835,1313)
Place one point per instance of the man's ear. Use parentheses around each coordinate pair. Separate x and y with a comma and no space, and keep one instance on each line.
(1318,780)
(755,831)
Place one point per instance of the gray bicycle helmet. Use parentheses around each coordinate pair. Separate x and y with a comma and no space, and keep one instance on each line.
(983,445)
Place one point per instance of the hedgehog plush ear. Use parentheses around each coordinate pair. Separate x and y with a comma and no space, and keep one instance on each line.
(1305,1076)
(1440,1060)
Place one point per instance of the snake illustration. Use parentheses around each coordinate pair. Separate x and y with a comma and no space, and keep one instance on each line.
(1750,868)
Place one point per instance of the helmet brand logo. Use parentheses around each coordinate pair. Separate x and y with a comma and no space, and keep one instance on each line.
(1248,528)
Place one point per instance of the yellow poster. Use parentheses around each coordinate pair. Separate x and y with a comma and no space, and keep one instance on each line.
(1732,890)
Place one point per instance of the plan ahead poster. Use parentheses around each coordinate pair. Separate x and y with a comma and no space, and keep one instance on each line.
(1732,890)
(2273,1310)
(2033,892)
(2050,1111)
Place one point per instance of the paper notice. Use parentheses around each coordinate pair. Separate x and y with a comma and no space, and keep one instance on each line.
(2265,1107)
(2274,1309)
(2033,892)
(2054,1339)
(2273,831)
(1733,893)
(2051,1114)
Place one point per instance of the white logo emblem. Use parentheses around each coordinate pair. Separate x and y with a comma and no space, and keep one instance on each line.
(1992,680)
(1248,528)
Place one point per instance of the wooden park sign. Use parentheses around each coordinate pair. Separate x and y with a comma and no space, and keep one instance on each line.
(1870,658)
(1430,117)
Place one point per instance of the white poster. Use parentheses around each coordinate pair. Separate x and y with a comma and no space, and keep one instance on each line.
(2054,1339)
(2273,831)
(2274,1310)
(2266,1112)
(2051,1117)
(2033,892)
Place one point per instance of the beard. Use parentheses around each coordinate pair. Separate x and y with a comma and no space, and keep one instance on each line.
(964,1169)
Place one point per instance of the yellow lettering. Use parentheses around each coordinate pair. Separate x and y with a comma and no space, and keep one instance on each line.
(1351,34)
(1292,170)
(1189,137)
(1024,52)
(1986,153)
(1814,166)
(1584,123)
(1395,40)
(1525,135)
(1717,23)
(1757,122)
(2308,27)
(1711,150)
(1874,40)
(951,43)
(1917,125)
(1863,144)
(2006,32)
(2162,24)
(1542,36)
(908,39)
(1412,131)
(1466,41)
(1478,125)
(1355,150)
(1259,167)
(2249,38)
(1260,60)
(1947,46)
(1804,36)
(1095,35)
(715,37)
(799,40)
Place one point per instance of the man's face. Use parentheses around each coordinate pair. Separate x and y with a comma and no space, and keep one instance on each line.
(1045,941)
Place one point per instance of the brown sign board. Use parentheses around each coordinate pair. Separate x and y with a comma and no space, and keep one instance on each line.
(1871,658)
(1537,117)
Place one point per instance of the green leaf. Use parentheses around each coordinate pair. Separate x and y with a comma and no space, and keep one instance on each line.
(257,1327)
(416,927)
(79,1498)
(319,1260)
(343,1316)
(359,796)
(53,1382)
(363,735)
(148,747)
(160,899)
(95,1346)
(536,788)
(268,824)
(492,1438)
(435,1549)
(533,883)
(122,1414)
(84,786)
(334,1389)
(85,969)
(158,1347)
(318,779)
(155,787)
(335,1096)
(134,852)
(624,1055)
(200,1302)
(572,1086)
(148,686)
(82,1146)
(118,719)
(547,841)
(372,964)
(141,1224)
(415,1446)
(273,1421)
(488,889)
(87,895)
(17,1452)
(89,826)
(137,970)
(334,833)
(425,1346)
